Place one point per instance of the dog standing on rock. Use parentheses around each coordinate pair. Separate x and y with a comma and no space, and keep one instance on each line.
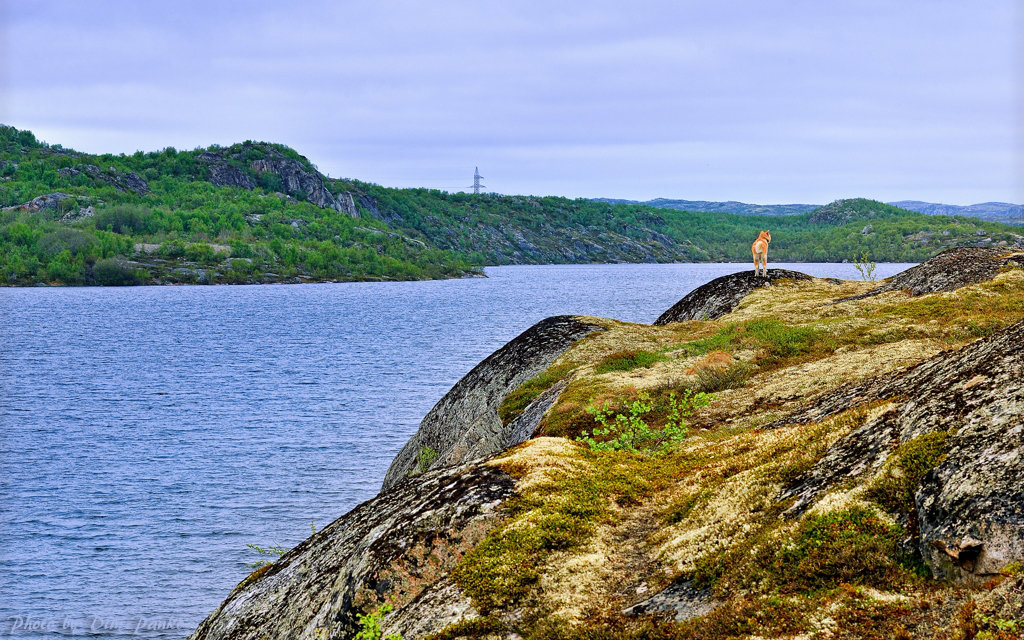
(760,251)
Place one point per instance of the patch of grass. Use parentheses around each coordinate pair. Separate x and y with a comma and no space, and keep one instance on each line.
(739,617)
(516,402)
(895,488)
(712,379)
(560,513)
(852,546)
(680,509)
(777,341)
(569,417)
(476,628)
(627,361)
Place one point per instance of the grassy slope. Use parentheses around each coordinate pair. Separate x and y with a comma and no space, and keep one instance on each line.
(187,230)
(593,532)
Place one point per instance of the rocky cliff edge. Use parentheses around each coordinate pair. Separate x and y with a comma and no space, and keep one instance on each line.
(856,475)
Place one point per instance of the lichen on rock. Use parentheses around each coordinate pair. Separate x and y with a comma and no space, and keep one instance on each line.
(867,438)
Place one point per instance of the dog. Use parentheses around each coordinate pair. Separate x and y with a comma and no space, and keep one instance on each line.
(760,251)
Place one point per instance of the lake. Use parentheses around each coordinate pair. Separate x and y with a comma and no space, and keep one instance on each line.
(148,434)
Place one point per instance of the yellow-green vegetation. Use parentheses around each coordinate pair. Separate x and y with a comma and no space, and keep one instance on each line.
(425,457)
(630,433)
(627,361)
(597,527)
(370,625)
(517,401)
(894,488)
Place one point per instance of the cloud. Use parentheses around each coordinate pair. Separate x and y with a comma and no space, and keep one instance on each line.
(729,100)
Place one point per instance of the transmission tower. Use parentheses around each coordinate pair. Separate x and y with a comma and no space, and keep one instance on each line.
(476,181)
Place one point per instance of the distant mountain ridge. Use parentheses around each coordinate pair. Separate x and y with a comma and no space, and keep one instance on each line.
(706,206)
(1004,212)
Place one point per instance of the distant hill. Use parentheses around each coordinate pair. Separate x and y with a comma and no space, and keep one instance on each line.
(258,212)
(705,206)
(1003,212)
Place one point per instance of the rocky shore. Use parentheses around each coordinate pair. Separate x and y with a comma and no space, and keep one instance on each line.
(855,475)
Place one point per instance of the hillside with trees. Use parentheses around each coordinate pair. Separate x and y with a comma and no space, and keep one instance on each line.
(259,212)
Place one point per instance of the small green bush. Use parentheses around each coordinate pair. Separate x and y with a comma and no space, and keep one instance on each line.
(125,219)
(369,625)
(629,432)
(116,272)
(173,249)
(73,240)
(424,458)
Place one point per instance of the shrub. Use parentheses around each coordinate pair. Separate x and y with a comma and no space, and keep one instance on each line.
(369,625)
(115,272)
(424,458)
(125,219)
(173,249)
(75,241)
(200,252)
(712,379)
(622,432)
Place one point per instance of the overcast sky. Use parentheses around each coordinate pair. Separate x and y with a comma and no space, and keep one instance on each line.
(760,101)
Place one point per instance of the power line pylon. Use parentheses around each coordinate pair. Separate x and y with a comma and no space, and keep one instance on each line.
(476,181)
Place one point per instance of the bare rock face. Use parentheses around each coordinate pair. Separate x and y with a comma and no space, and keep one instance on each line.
(121,181)
(464,424)
(297,179)
(347,205)
(950,270)
(721,295)
(223,174)
(40,203)
(970,507)
(401,545)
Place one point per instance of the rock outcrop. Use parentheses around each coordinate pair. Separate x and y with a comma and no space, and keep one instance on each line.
(43,202)
(971,506)
(746,491)
(396,548)
(464,424)
(720,296)
(950,270)
(122,181)
(296,178)
(223,174)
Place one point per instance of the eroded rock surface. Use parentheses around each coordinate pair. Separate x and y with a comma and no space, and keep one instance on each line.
(39,203)
(681,601)
(464,424)
(950,270)
(401,545)
(721,295)
(971,506)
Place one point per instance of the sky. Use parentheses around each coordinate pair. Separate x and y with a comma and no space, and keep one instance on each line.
(762,101)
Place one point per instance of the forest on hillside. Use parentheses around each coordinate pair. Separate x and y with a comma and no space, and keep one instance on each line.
(260,212)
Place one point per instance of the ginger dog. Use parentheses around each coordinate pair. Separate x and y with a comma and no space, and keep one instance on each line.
(760,251)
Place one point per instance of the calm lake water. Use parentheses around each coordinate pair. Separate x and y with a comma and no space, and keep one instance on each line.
(147,434)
